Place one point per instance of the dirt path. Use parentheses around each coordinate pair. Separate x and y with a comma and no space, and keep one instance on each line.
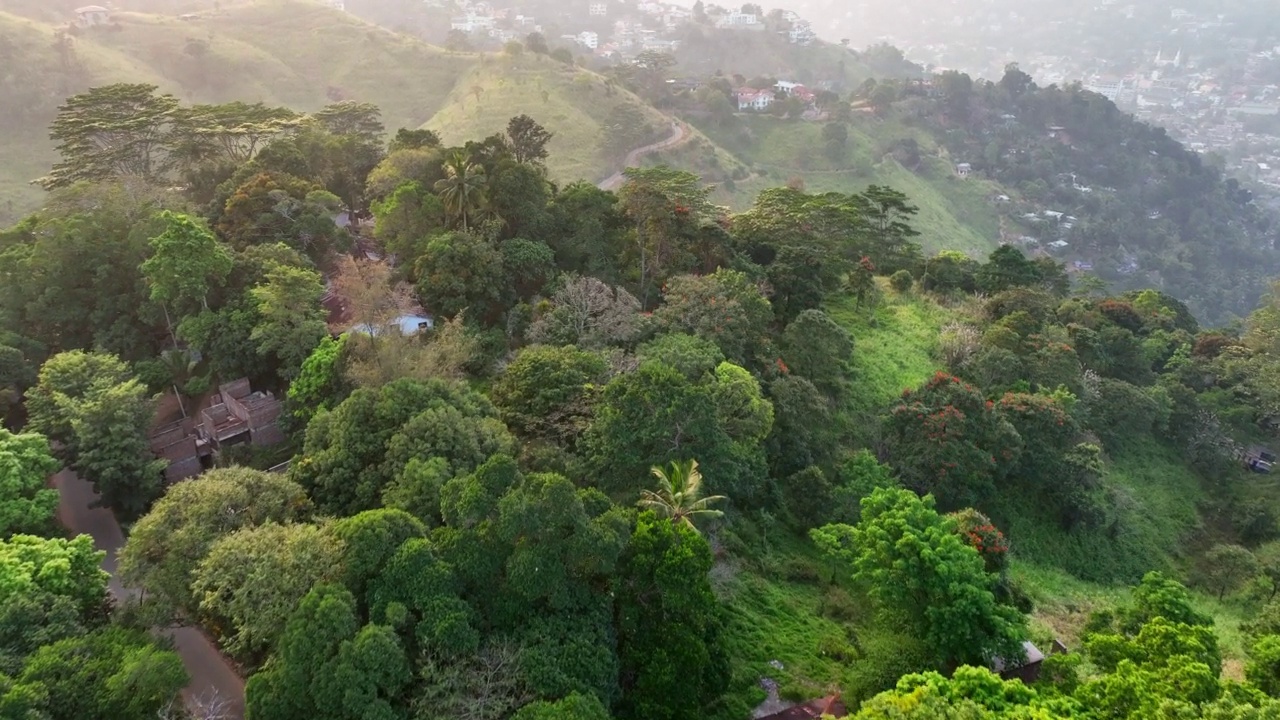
(678,134)
(214,683)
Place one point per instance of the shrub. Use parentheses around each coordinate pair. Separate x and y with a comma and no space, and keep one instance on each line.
(901,282)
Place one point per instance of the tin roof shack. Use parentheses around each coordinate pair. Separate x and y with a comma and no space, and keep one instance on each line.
(1259,459)
(1027,671)
(183,450)
(239,415)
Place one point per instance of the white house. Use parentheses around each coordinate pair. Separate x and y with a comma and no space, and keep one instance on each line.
(801,33)
(752,99)
(588,39)
(471,22)
(91,15)
(598,9)
(963,170)
(739,20)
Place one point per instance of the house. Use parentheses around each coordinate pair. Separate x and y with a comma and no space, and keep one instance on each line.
(1259,459)
(736,20)
(1027,671)
(92,15)
(598,9)
(752,99)
(236,416)
(407,325)
(801,33)
(963,170)
(588,39)
(1059,244)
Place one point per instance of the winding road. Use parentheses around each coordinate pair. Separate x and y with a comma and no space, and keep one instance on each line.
(678,134)
(215,692)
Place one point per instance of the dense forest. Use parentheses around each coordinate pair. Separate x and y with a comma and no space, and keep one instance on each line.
(637,455)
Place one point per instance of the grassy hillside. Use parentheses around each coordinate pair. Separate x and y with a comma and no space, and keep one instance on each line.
(954,214)
(573,103)
(283,52)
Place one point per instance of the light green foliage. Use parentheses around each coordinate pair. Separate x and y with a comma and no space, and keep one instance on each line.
(679,495)
(545,392)
(292,321)
(108,674)
(114,131)
(320,384)
(88,402)
(187,261)
(26,504)
(573,707)
(328,667)
(919,572)
(669,624)
(1263,668)
(167,544)
(69,568)
(467,500)
(251,580)
(1227,567)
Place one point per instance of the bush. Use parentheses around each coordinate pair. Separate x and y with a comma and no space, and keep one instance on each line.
(901,282)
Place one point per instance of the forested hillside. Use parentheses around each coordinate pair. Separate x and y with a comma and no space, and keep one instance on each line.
(562,452)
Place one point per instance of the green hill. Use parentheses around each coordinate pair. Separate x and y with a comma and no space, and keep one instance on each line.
(282,52)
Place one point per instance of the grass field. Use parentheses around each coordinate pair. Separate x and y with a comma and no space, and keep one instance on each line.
(954,214)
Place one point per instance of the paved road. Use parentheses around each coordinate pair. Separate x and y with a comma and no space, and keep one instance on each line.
(678,133)
(213,680)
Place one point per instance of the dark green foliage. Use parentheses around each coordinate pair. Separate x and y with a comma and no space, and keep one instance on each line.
(545,393)
(354,451)
(672,663)
(726,308)
(803,426)
(815,347)
(1006,268)
(693,356)
(416,593)
(901,282)
(946,439)
(370,539)
(329,667)
(573,707)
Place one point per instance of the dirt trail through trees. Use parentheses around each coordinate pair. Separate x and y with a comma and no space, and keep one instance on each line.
(215,692)
(678,134)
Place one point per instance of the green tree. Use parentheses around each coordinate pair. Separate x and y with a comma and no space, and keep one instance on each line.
(329,667)
(693,356)
(545,392)
(462,190)
(669,625)
(112,131)
(1007,268)
(68,568)
(574,707)
(251,580)
(679,495)
(1263,668)
(665,207)
(321,383)
(27,505)
(725,307)
(370,539)
(1227,567)
(187,261)
(919,572)
(406,218)
(947,439)
(815,347)
(112,673)
(460,271)
(167,544)
(292,321)
(528,139)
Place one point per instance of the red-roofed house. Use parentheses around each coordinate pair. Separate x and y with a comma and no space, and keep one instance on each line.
(752,99)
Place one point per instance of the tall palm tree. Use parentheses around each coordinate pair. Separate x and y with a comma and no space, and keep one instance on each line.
(462,188)
(677,494)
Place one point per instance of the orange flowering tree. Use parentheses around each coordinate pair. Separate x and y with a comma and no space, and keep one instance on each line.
(982,535)
(947,439)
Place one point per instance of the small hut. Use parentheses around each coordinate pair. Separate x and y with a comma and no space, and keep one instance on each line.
(1028,671)
(829,705)
(92,15)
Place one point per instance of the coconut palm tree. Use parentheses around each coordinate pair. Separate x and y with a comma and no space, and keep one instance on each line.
(462,188)
(678,493)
